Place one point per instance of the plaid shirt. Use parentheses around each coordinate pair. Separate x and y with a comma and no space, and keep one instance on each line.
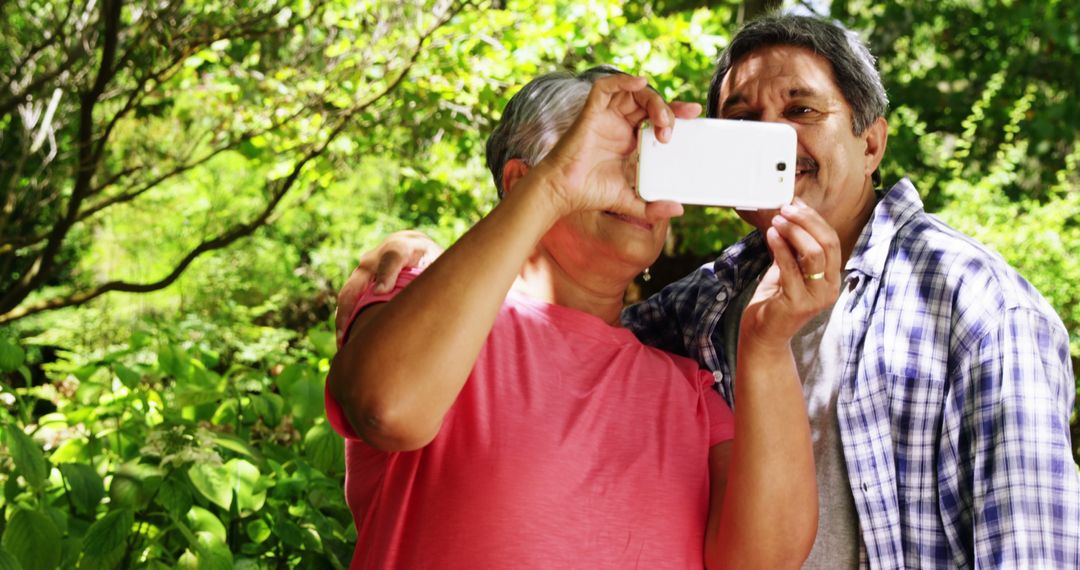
(955,395)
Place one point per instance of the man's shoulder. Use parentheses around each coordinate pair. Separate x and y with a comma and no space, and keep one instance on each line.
(963,259)
(942,257)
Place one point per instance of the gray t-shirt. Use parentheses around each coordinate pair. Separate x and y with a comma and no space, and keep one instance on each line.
(820,363)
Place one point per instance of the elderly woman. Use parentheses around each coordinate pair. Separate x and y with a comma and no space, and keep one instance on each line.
(497,416)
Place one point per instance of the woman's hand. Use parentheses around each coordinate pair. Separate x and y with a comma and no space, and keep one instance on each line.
(590,168)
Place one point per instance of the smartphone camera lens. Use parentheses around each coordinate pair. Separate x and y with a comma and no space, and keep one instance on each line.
(781,166)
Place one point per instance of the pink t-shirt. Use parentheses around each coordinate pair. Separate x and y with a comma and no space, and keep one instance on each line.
(571,445)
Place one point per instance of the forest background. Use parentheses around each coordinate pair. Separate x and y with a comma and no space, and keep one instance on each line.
(185,184)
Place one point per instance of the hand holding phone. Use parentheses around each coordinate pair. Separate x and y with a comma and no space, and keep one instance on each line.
(747,165)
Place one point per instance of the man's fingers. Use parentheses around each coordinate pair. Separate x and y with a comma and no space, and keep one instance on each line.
(348,295)
(810,255)
(817,229)
(391,263)
(791,276)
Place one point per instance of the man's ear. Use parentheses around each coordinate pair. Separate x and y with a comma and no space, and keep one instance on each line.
(513,170)
(876,135)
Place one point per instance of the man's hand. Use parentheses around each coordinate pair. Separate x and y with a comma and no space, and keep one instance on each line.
(383,264)
(803,280)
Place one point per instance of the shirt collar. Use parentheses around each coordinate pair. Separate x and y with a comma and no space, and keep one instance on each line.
(896,208)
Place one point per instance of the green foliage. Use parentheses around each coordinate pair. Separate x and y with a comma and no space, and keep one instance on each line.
(31,538)
(968,80)
(161,451)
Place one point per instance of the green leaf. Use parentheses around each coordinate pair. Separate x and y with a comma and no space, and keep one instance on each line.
(292,374)
(127,376)
(105,542)
(238,445)
(269,407)
(175,496)
(258,531)
(218,483)
(188,561)
(8,561)
(247,483)
(324,449)
(108,561)
(11,489)
(202,520)
(325,342)
(108,532)
(225,413)
(11,355)
(59,519)
(213,553)
(33,540)
(288,532)
(29,460)
(84,485)
(126,491)
(212,482)
(246,564)
(306,396)
(69,451)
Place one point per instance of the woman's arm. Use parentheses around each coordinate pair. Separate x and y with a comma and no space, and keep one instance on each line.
(405,361)
(403,365)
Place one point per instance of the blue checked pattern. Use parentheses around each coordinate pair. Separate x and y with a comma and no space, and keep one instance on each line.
(954,400)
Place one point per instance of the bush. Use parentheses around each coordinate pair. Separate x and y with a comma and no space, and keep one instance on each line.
(164,454)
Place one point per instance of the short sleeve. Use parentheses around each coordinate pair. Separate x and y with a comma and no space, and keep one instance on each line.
(721,420)
(334,414)
(368,297)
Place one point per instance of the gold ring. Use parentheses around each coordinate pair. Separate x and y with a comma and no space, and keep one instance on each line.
(814,276)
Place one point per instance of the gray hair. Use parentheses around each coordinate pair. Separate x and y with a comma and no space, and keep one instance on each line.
(537,116)
(852,64)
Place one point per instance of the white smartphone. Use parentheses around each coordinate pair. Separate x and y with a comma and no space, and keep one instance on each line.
(748,165)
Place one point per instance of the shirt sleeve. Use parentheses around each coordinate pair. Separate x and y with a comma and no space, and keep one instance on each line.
(669,319)
(1008,481)
(334,414)
(721,420)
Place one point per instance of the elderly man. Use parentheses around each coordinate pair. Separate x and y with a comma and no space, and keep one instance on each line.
(938,386)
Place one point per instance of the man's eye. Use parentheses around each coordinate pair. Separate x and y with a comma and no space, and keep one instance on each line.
(800,111)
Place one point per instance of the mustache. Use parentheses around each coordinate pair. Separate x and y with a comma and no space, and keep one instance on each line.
(803,163)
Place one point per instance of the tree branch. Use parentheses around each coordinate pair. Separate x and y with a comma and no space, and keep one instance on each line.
(221,241)
(42,265)
(11,244)
(225,239)
(42,79)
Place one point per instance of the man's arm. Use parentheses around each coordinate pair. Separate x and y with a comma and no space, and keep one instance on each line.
(1010,491)
(767,514)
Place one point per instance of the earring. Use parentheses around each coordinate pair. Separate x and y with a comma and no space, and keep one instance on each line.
(645,275)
